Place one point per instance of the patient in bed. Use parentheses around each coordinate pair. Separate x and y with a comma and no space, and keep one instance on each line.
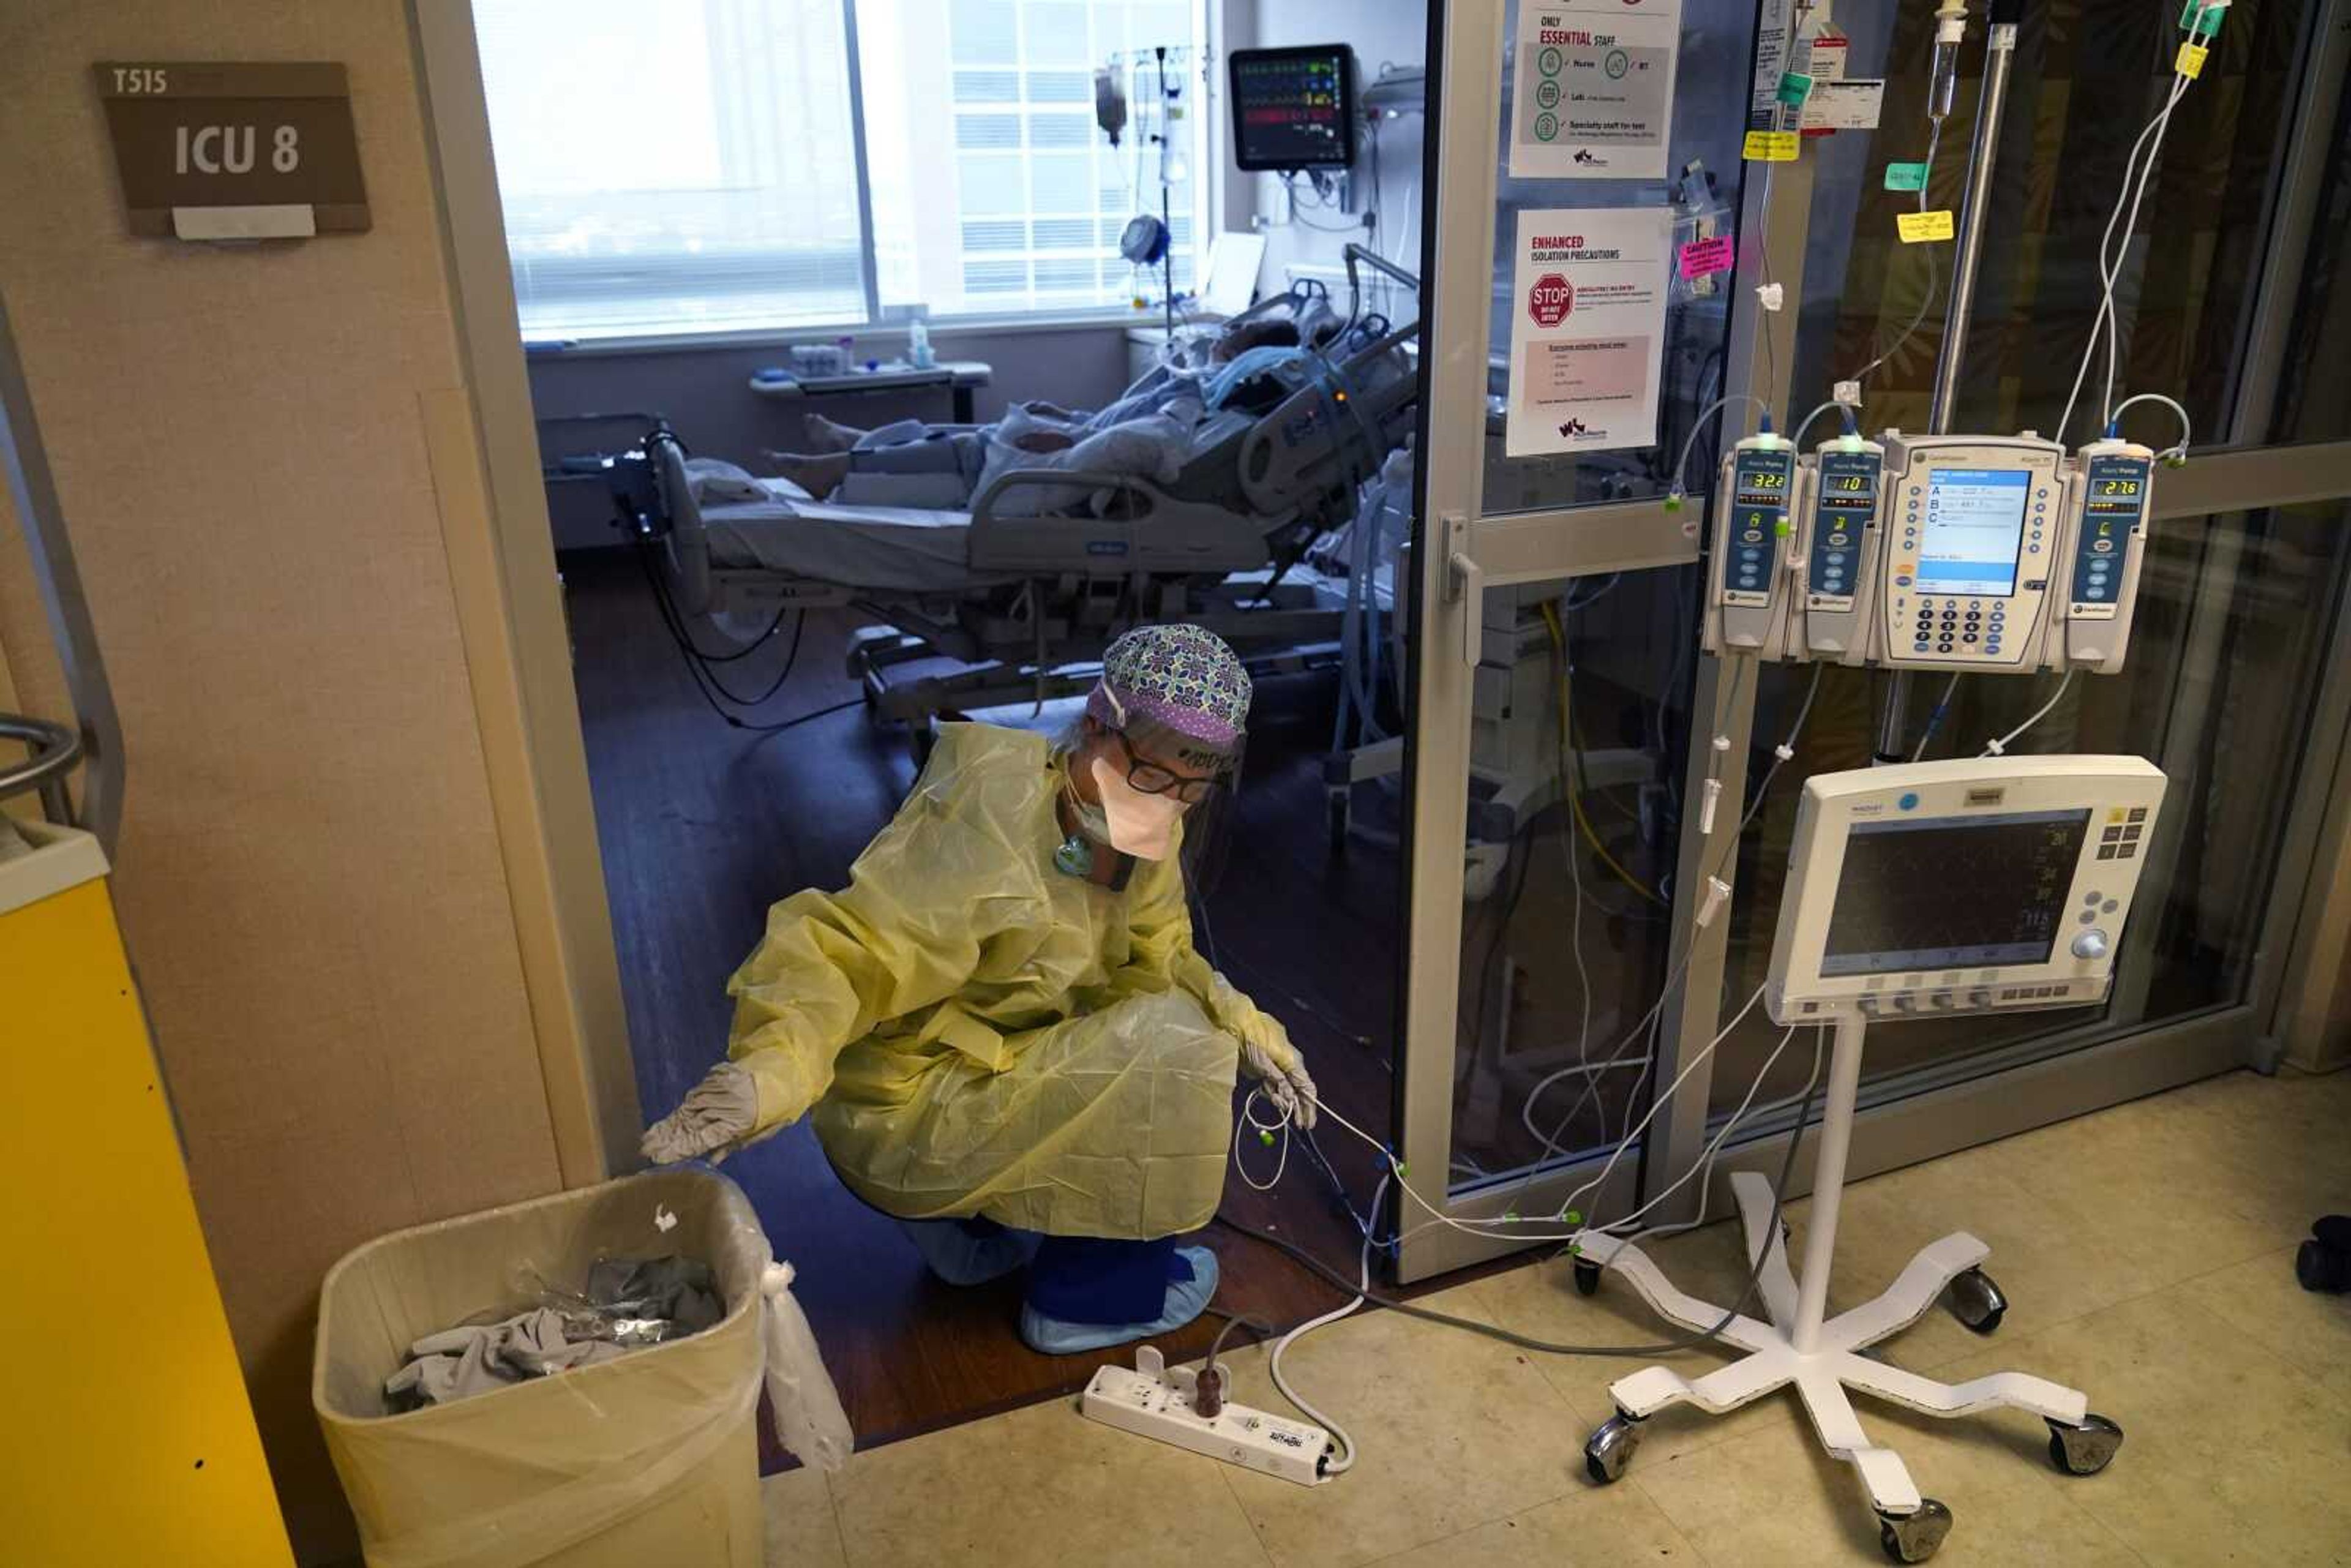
(1146,435)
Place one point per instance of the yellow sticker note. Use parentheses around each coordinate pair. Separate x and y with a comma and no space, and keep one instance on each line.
(2190,63)
(1770,146)
(1917,228)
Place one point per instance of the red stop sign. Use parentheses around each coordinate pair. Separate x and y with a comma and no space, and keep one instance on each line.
(1550,300)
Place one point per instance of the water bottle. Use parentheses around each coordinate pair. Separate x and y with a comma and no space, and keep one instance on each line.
(918,345)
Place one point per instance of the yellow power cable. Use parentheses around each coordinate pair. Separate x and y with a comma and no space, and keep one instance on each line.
(1567,773)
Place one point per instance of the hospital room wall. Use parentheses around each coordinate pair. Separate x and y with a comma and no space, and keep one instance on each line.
(311,875)
(32,677)
(705,393)
(1382,32)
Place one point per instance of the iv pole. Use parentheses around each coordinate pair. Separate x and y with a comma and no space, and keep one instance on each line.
(1983,153)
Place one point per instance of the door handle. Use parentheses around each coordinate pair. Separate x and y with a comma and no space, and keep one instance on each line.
(1467,581)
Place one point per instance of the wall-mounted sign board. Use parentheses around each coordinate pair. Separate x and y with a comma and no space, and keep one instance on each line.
(223,151)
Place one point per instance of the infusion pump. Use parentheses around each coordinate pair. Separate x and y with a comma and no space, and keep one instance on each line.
(1991,553)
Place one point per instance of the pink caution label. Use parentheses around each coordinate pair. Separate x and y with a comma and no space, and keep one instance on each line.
(1705,257)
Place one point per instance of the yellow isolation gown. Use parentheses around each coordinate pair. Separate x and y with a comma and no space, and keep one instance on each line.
(975,1032)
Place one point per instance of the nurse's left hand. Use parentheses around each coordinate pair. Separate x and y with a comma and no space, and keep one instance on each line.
(1268,1056)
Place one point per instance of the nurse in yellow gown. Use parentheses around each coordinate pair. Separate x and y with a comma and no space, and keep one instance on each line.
(1001,1032)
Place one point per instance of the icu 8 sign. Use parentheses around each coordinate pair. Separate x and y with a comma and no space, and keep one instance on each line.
(192,136)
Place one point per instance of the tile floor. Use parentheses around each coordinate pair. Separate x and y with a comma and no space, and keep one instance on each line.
(2147,1253)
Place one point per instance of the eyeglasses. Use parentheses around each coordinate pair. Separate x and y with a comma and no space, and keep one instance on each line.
(1154,780)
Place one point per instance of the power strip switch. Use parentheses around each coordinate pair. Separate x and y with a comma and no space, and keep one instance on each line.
(1153,1401)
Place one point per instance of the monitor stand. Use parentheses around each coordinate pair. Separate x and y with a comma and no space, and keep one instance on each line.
(1823,1358)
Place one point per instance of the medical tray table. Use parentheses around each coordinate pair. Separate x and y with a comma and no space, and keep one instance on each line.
(959,377)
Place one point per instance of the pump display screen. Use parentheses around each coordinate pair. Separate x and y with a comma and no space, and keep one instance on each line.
(1974,529)
(1293,108)
(1950,893)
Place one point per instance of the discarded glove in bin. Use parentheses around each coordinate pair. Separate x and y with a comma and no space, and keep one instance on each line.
(648,1456)
(628,1304)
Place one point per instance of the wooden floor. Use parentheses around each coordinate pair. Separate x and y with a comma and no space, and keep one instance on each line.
(703,826)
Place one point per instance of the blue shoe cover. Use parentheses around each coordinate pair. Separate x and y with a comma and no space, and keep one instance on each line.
(962,1253)
(1186,1300)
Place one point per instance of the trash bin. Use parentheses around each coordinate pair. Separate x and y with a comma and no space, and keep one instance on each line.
(652,1457)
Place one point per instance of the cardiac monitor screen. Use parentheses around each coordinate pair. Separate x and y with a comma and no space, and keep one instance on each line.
(1975,524)
(1947,892)
(1293,108)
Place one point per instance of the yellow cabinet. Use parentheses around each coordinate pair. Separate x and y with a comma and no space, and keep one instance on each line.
(129,1437)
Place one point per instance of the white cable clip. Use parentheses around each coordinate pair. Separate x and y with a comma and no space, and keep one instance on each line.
(1846,393)
(1710,793)
(1718,892)
(1784,752)
(1721,743)
(1994,748)
(1771,295)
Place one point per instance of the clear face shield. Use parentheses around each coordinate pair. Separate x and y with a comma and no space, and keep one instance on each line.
(1163,792)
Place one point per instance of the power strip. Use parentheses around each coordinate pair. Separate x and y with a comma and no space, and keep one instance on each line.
(1151,1401)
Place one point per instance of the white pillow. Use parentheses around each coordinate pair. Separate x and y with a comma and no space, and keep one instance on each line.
(718,483)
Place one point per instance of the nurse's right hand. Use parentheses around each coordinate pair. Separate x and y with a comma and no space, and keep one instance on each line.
(716,1112)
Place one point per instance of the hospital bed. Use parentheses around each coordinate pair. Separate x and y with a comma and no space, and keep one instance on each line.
(1026,599)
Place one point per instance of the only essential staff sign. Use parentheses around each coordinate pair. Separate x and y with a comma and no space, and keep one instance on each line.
(219,151)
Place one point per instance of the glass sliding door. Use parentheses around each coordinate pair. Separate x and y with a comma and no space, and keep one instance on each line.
(1554,642)
(1564,720)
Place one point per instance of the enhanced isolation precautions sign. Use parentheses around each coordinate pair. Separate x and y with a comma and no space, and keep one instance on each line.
(1594,95)
(1587,328)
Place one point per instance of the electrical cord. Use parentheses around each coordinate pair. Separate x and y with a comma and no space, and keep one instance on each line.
(1572,789)
(1568,783)
(1780,753)
(749,648)
(1690,1341)
(1344,1460)
(1258,1327)
(706,679)
(736,722)
(792,658)
(1704,1169)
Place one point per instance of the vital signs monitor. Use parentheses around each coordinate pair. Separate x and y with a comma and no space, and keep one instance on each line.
(1982,885)
(1293,108)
